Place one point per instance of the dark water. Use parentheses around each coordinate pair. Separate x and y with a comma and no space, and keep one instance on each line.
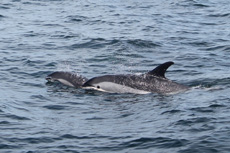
(100,37)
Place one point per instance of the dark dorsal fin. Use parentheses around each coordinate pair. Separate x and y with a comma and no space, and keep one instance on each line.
(161,69)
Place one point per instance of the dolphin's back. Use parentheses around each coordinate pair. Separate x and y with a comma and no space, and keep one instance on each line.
(154,81)
(142,83)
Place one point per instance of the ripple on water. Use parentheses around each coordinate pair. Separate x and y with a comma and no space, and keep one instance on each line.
(173,111)
(217,15)
(203,109)
(207,144)
(31,140)
(4,6)
(100,43)
(159,142)
(92,43)
(4,123)
(2,16)
(56,107)
(191,121)
(143,43)
(7,146)
(76,18)
(16,117)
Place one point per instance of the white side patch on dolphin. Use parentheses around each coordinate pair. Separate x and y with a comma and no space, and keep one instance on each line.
(115,88)
(65,82)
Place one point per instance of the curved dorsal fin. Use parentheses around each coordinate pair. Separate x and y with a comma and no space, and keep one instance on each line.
(161,69)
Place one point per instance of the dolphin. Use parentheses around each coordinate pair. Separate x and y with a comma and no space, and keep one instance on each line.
(152,82)
(67,78)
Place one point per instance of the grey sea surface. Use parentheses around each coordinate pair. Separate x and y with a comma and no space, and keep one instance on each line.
(99,37)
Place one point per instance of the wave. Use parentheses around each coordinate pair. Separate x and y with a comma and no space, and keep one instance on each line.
(16,117)
(158,142)
(208,82)
(218,15)
(76,18)
(56,107)
(98,43)
(194,3)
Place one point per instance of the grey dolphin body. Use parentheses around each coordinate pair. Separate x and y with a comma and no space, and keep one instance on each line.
(151,82)
(67,78)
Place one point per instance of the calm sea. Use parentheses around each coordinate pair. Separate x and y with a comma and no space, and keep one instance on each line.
(98,37)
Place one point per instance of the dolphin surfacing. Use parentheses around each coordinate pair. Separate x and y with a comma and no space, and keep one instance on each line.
(151,82)
(67,78)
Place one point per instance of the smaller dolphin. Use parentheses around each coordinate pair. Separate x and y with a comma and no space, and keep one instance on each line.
(67,78)
(151,82)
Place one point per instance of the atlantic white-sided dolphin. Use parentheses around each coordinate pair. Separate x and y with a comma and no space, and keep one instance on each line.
(151,82)
(67,78)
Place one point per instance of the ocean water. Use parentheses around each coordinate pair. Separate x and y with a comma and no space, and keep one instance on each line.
(98,37)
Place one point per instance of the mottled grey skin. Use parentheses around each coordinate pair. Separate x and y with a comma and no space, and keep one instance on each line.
(67,78)
(153,81)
